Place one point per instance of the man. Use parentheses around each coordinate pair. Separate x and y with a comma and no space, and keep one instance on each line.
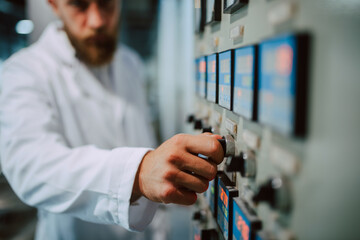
(75,136)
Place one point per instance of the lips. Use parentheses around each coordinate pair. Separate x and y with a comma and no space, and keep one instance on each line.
(98,39)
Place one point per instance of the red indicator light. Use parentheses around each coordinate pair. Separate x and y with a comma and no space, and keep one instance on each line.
(239,93)
(197,237)
(284,59)
(202,66)
(222,89)
(213,66)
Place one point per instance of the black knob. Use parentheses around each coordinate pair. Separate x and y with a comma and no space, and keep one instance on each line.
(223,144)
(235,164)
(199,215)
(198,124)
(274,192)
(243,163)
(208,129)
(191,118)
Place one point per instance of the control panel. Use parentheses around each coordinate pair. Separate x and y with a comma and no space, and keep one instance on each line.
(263,83)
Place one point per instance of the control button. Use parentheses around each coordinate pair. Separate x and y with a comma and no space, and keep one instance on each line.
(276,193)
(228,144)
(213,130)
(237,32)
(198,124)
(191,118)
(199,216)
(231,126)
(208,129)
(244,163)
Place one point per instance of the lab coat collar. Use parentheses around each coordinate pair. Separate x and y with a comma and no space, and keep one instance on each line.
(58,44)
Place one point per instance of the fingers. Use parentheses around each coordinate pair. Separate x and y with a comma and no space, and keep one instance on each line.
(198,165)
(204,144)
(191,182)
(178,196)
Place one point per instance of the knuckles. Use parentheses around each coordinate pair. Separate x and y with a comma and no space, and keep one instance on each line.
(170,175)
(212,171)
(215,149)
(168,194)
(178,139)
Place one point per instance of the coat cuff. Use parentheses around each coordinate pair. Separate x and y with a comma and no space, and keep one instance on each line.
(135,216)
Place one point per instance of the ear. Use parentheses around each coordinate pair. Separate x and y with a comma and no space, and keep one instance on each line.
(54,6)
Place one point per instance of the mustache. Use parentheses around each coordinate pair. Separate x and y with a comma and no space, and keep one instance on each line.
(99,39)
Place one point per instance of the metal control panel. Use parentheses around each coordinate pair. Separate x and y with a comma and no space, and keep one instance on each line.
(278,79)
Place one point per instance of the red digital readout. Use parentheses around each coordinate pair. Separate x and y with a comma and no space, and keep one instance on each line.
(202,66)
(243,228)
(224,197)
(213,66)
(284,60)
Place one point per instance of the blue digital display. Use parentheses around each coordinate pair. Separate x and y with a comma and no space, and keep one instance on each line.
(225,79)
(242,227)
(212,196)
(277,83)
(223,209)
(197,76)
(211,78)
(201,76)
(244,82)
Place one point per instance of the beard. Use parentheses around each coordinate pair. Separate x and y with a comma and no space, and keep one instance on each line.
(95,50)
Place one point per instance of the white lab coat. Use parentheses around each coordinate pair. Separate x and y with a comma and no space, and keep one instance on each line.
(70,144)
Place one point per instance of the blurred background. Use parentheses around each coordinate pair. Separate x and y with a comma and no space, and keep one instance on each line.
(157,30)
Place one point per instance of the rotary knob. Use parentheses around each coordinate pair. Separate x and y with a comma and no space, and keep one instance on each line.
(276,193)
(228,144)
(243,163)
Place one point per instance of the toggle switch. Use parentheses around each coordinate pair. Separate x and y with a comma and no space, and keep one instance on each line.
(243,163)
(274,192)
(228,145)
(200,216)
(208,129)
(214,130)
(191,118)
(198,125)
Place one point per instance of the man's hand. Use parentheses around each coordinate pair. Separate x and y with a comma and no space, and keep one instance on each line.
(173,173)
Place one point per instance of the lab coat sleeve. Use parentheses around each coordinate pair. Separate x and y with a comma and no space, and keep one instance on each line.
(86,182)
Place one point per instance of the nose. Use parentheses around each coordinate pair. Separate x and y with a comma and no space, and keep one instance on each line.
(95,16)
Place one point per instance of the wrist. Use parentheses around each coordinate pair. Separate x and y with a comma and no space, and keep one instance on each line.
(136,191)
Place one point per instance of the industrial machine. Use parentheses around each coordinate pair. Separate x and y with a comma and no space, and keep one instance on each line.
(279,80)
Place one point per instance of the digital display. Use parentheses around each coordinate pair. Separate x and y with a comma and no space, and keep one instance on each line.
(223,209)
(231,6)
(281,92)
(212,78)
(245,84)
(197,76)
(213,11)
(245,222)
(202,77)
(225,79)
(224,206)
(210,195)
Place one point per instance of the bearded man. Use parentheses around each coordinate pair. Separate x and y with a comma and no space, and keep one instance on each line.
(76,142)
